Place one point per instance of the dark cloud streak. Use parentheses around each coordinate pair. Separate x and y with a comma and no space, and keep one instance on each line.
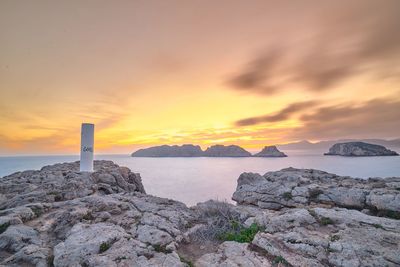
(282,115)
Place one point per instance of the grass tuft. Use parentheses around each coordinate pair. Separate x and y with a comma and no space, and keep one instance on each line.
(287,196)
(186,261)
(280,259)
(104,247)
(3,227)
(241,233)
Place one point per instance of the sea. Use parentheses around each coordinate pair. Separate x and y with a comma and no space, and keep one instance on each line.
(193,180)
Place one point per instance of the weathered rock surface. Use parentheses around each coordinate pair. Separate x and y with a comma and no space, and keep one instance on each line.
(226,151)
(290,188)
(170,151)
(270,151)
(100,219)
(307,218)
(64,181)
(359,149)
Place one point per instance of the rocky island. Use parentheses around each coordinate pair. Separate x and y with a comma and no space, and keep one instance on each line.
(359,149)
(226,151)
(270,151)
(58,216)
(192,151)
(169,151)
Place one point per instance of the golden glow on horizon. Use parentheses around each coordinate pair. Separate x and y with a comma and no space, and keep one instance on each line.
(147,73)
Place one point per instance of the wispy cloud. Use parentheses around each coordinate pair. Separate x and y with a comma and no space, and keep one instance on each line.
(351,40)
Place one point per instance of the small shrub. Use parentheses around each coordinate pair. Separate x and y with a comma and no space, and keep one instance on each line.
(390,214)
(287,195)
(218,217)
(335,238)
(187,262)
(58,198)
(280,259)
(330,250)
(378,226)
(50,261)
(3,227)
(120,258)
(162,249)
(88,216)
(314,193)
(104,247)
(37,211)
(325,221)
(241,234)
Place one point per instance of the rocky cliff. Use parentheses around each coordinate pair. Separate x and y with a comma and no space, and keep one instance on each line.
(60,217)
(270,151)
(359,149)
(226,151)
(169,151)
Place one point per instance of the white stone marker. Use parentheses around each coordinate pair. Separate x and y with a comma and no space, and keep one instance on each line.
(87,142)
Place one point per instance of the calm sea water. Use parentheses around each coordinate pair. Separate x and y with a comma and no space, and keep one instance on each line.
(193,180)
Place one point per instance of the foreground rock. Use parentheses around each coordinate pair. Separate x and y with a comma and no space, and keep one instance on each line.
(170,151)
(359,149)
(60,217)
(226,151)
(270,151)
(298,188)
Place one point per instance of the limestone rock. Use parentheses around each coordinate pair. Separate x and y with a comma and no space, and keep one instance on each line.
(64,181)
(292,187)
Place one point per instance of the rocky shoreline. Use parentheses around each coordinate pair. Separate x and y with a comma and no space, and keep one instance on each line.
(58,216)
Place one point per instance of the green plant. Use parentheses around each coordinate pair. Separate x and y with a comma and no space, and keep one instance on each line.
(104,247)
(325,221)
(3,227)
(162,249)
(50,261)
(88,216)
(118,259)
(378,226)
(188,262)
(334,238)
(241,233)
(37,211)
(280,259)
(287,195)
(314,193)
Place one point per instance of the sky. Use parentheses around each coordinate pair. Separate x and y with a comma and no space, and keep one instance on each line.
(250,73)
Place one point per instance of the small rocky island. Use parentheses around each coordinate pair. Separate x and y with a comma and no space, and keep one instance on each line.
(359,149)
(226,151)
(170,151)
(58,216)
(270,151)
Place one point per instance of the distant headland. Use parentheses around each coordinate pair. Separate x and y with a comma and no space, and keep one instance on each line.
(190,150)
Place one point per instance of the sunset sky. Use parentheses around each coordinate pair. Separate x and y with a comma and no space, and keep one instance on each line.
(250,73)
